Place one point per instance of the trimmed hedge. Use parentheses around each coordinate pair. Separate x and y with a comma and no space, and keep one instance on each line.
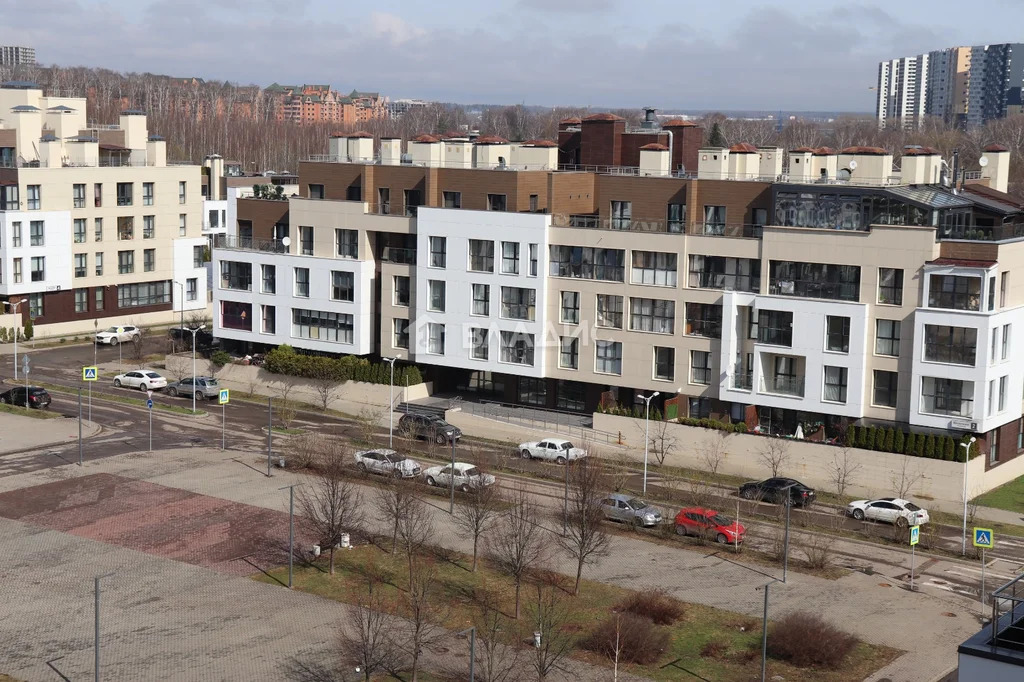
(284,360)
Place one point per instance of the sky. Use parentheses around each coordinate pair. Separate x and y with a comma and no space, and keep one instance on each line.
(791,55)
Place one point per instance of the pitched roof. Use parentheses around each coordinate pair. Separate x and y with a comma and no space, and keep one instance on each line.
(572,120)
(679,123)
(824,151)
(920,151)
(603,117)
(491,139)
(743,148)
(539,143)
(424,138)
(803,150)
(876,151)
(997,148)
(654,147)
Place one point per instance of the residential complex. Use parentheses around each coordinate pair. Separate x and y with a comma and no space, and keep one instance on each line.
(13,55)
(319,103)
(95,226)
(755,285)
(964,86)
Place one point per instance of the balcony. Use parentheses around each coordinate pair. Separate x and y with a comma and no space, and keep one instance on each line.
(392,254)
(783,384)
(223,241)
(743,381)
(737,230)
(596,222)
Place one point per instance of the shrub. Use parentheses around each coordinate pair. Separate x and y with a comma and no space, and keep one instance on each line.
(898,441)
(29,329)
(284,360)
(740,427)
(948,449)
(655,604)
(219,358)
(851,436)
(890,439)
(929,446)
(805,639)
(862,436)
(640,641)
(911,445)
(714,649)
(869,441)
(920,445)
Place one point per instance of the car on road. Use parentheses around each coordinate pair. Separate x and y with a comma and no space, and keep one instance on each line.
(143,379)
(112,336)
(893,510)
(37,396)
(628,509)
(387,462)
(778,490)
(467,476)
(709,524)
(204,339)
(202,387)
(557,450)
(428,427)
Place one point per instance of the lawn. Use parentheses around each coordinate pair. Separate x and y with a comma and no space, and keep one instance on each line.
(34,413)
(1009,496)
(461,590)
(124,400)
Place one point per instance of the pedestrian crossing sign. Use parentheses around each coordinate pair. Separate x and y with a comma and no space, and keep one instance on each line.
(984,537)
(90,373)
(915,535)
(224,396)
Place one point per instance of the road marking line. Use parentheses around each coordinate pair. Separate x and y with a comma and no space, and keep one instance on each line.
(988,573)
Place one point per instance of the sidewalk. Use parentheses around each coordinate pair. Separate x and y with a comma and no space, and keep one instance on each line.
(22,433)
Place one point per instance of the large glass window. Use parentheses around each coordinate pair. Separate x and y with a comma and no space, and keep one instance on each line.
(887,337)
(570,310)
(438,252)
(653,267)
(236,315)
(436,295)
(401,290)
(452,199)
(192,289)
(569,352)
(306,240)
(38,268)
(517,348)
(80,230)
(481,299)
(126,262)
(837,334)
(775,327)
(835,384)
(125,228)
(953,345)
(890,286)
(81,299)
(510,258)
(235,275)
(35,197)
(36,233)
(124,194)
(481,255)
(518,303)
(16,234)
(435,338)
(302,282)
(814,280)
(700,367)
(704,319)
(886,388)
(954,292)
(148,226)
(652,315)
(343,286)
(677,218)
(323,326)
(268,274)
(78,195)
(947,396)
(147,193)
(413,200)
(347,243)
(622,215)
(588,263)
(145,294)
(81,265)
(400,326)
(35,305)
(608,355)
(496,202)
(268,319)
(714,220)
(148,260)
(609,311)
(98,230)
(664,363)
(99,263)
(478,343)
(730,274)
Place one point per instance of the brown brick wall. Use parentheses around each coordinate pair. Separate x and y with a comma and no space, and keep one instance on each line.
(601,143)
(263,214)
(739,198)
(969,251)
(476,184)
(686,141)
(397,179)
(569,147)
(59,306)
(650,196)
(335,177)
(531,182)
(572,192)
(631,143)
(1006,449)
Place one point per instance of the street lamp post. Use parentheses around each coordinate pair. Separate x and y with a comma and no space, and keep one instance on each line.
(647,432)
(785,542)
(194,332)
(451,478)
(14,309)
(182,303)
(967,455)
(391,407)
(472,651)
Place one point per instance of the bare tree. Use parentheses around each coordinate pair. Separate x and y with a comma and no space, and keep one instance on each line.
(662,441)
(497,662)
(905,477)
(326,382)
(842,469)
(476,513)
(516,545)
(367,422)
(424,606)
(415,529)
(585,537)
(619,471)
(370,647)
(773,454)
(285,408)
(331,506)
(713,450)
(551,617)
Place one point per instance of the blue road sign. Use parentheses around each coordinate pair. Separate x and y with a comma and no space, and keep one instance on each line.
(224,397)
(984,537)
(89,373)
(149,403)
(915,535)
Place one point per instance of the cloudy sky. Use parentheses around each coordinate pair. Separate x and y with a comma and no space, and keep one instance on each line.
(722,54)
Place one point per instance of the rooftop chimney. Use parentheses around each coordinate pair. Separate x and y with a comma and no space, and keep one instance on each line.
(650,121)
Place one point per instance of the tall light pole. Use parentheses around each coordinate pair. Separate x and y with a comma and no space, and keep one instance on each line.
(194,332)
(785,543)
(967,455)
(182,304)
(14,309)
(391,407)
(647,432)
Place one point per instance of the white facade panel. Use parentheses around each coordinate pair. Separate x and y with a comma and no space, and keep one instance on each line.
(184,270)
(56,249)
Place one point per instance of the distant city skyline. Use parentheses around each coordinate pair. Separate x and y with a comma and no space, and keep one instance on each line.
(776,55)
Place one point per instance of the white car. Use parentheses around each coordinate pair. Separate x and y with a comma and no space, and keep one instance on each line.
(467,476)
(112,336)
(553,449)
(889,509)
(142,379)
(388,463)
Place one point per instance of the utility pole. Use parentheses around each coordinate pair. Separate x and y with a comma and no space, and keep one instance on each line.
(291,531)
(270,430)
(80,428)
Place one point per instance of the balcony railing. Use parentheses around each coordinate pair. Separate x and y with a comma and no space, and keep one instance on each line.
(224,241)
(738,230)
(743,381)
(977,233)
(596,222)
(784,385)
(393,254)
(240,322)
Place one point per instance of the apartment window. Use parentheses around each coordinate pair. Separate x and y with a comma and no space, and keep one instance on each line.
(952,345)
(342,286)
(581,262)
(436,295)
(478,343)
(775,327)
(268,319)
(652,315)
(35,195)
(995,346)
(98,258)
(435,338)
(1002,394)
(622,215)
(991,397)
(302,282)
(510,258)
(9,200)
(38,268)
(35,305)
(81,299)
(125,228)
(496,202)
(954,292)
(714,220)
(78,195)
(79,230)
(149,260)
(890,286)
(1003,287)
(534,203)
(570,311)
(198,256)
(148,226)
(947,396)
(384,200)
(182,224)
(354,193)
(534,251)
(730,274)
(147,194)
(835,384)
(652,267)
(401,290)
(268,277)
(481,255)
(322,326)
(569,352)
(1006,342)
(235,275)
(991,293)
(124,194)
(16,234)
(192,289)
(704,319)
(98,296)
(413,200)
(81,265)
(438,252)
(305,240)
(98,229)
(700,367)
(97,193)
(677,218)
(36,233)
(886,388)
(887,337)
(608,355)
(664,363)
(609,311)
(400,328)
(316,191)
(452,199)
(518,303)
(814,280)
(145,294)
(347,242)
(517,348)
(837,334)
(481,299)
(182,187)
(17,271)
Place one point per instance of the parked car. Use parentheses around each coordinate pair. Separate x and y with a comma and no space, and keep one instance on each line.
(709,524)
(428,427)
(112,336)
(557,450)
(202,387)
(204,339)
(388,463)
(467,476)
(627,509)
(889,509)
(774,490)
(37,396)
(144,380)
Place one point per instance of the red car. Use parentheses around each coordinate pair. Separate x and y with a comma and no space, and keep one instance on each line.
(710,524)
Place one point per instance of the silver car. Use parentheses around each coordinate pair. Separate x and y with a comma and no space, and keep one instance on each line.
(387,462)
(628,509)
(202,387)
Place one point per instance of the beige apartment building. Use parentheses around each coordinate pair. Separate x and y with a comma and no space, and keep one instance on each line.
(771,287)
(96,228)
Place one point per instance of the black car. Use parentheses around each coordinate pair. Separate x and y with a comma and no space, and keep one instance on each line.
(775,490)
(204,339)
(37,397)
(428,427)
